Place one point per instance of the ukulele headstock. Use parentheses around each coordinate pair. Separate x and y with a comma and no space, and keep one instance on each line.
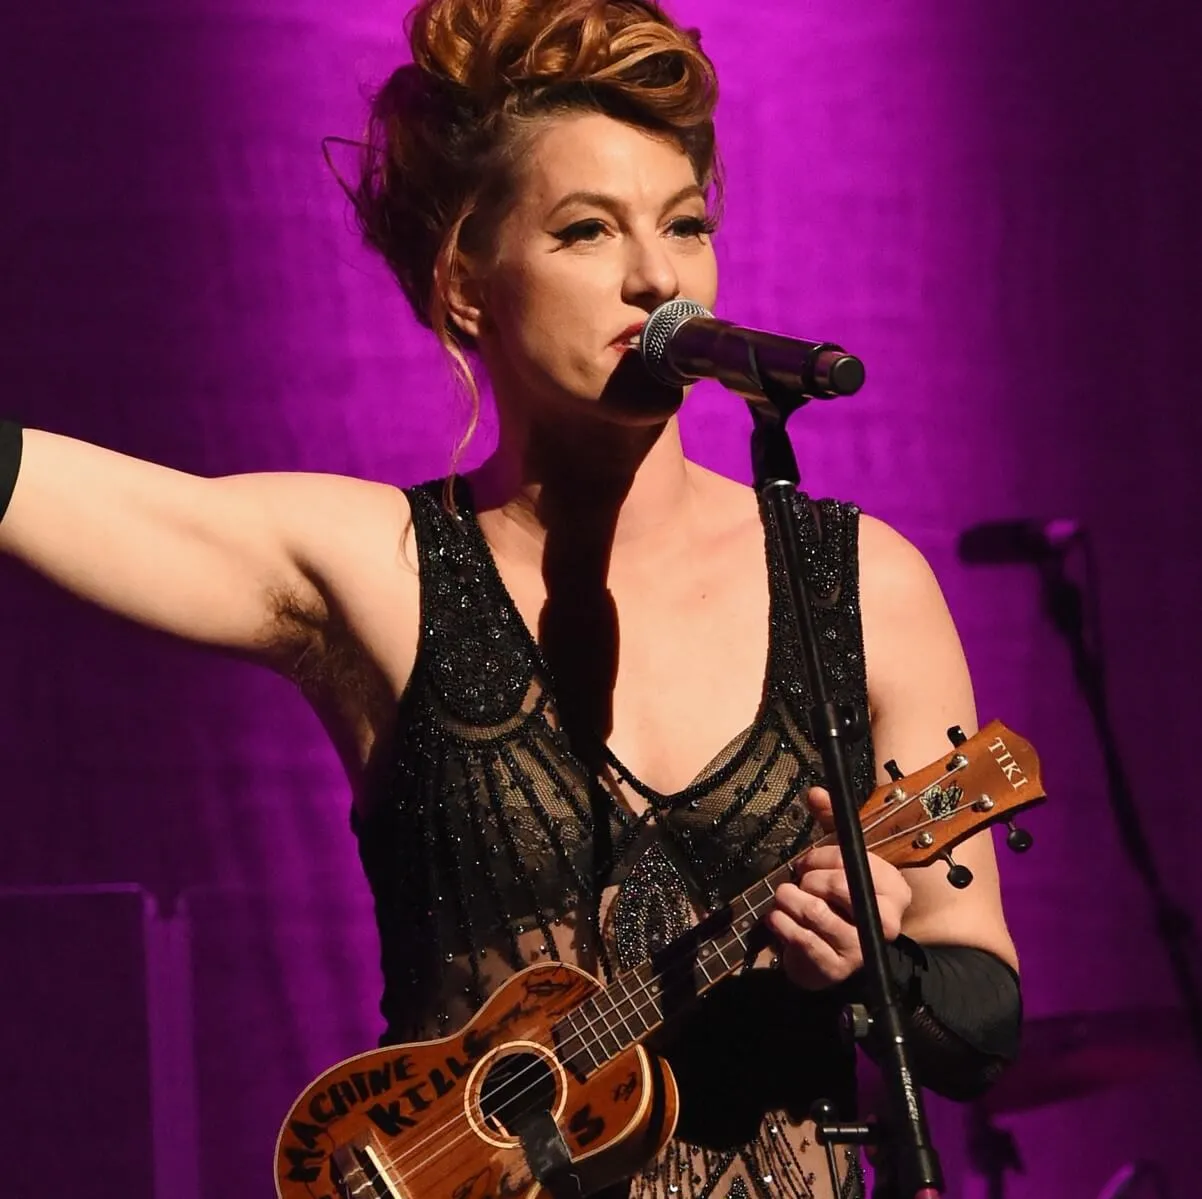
(917,818)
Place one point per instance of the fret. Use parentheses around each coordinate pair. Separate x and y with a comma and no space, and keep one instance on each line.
(624,1017)
(632,1006)
(609,1041)
(634,1003)
(720,947)
(581,1041)
(649,1009)
(767,889)
(593,1032)
(653,998)
(742,925)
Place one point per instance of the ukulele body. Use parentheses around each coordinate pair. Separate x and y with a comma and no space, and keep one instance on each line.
(499,1111)
(466,1116)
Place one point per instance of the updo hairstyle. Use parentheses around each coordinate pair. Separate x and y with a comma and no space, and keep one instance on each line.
(446,132)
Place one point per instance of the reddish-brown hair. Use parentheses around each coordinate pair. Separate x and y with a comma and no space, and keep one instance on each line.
(445,132)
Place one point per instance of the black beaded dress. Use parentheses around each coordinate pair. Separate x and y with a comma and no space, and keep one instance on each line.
(494,846)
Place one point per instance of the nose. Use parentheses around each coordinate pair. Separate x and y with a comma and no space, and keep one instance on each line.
(651,277)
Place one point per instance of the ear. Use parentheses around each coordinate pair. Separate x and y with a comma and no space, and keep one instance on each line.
(463,293)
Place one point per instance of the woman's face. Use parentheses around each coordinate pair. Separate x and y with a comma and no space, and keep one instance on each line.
(608,222)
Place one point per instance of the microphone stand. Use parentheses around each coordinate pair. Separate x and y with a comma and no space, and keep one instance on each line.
(1064,604)
(907,1166)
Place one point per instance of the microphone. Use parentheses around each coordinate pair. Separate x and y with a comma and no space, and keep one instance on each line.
(682,342)
(1000,542)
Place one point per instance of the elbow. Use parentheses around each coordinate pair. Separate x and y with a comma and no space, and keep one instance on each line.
(961,1060)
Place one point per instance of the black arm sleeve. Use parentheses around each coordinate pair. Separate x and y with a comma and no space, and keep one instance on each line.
(964,1014)
(10,461)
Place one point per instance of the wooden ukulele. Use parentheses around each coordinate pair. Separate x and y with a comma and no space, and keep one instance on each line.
(549,1086)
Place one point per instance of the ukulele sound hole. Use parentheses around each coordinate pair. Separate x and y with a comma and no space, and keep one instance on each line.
(516,1087)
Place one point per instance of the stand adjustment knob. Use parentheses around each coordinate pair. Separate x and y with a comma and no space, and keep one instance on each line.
(855,1023)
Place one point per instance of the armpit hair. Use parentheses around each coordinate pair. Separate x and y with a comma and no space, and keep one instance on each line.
(316,648)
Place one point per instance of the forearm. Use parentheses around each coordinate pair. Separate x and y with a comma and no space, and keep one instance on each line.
(963,1012)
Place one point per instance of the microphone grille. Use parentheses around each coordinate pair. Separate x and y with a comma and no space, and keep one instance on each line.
(657,336)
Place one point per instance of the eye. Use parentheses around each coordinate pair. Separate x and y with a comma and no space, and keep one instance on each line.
(692,226)
(581,231)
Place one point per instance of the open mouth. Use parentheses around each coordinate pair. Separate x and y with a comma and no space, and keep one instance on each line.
(629,340)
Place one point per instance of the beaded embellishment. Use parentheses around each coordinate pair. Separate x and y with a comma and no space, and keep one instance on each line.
(481,847)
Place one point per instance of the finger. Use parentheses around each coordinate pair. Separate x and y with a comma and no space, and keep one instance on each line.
(831,887)
(822,857)
(809,960)
(792,935)
(819,799)
(814,965)
(887,879)
(815,914)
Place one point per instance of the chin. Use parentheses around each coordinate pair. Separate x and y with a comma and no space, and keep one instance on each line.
(632,396)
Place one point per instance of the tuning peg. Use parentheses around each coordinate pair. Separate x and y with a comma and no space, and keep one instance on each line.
(894,771)
(956,735)
(959,876)
(1018,839)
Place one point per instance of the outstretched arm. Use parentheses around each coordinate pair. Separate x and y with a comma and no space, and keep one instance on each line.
(214,561)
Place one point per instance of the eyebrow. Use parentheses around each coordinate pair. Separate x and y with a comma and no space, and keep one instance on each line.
(613,204)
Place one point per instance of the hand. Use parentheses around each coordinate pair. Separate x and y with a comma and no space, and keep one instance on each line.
(812,920)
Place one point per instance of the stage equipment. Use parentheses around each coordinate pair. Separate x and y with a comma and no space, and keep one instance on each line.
(1073,611)
(777,376)
(1067,1057)
(683,342)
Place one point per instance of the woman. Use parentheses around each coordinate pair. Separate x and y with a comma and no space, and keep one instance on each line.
(569,704)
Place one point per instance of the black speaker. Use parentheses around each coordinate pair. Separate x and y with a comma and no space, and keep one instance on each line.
(75,1065)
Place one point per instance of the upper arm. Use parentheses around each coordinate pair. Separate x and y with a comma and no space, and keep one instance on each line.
(216,561)
(918,687)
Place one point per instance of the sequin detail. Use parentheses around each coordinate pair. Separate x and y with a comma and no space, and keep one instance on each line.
(480,845)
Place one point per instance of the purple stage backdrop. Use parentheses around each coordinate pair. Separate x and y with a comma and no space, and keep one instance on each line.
(996,205)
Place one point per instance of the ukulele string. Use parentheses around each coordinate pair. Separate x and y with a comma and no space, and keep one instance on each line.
(889,810)
(645,990)
(665,975)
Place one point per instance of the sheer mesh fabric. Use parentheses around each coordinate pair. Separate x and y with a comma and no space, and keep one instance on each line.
(493,846)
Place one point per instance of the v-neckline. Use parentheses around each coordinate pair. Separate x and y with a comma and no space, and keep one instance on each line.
(705,779)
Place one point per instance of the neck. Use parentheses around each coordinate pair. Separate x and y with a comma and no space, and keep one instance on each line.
(571,497)
(619,482)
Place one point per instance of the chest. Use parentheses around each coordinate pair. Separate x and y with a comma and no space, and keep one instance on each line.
(664,666)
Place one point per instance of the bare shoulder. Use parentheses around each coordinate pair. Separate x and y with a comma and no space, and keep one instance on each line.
(352,544)
(317,500)
(329,522)
(911,646)
(890,564)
